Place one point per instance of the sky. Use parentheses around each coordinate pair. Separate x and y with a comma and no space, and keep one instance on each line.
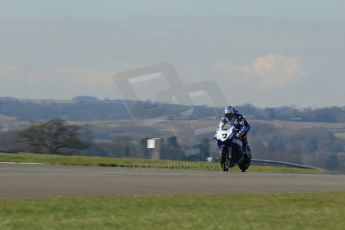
(266,53)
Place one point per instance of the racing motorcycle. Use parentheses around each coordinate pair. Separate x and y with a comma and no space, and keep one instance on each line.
(230,149)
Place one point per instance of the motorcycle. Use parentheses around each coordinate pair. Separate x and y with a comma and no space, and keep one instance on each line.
(231,150)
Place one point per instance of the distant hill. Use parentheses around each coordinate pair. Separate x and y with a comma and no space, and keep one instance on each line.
(91,108)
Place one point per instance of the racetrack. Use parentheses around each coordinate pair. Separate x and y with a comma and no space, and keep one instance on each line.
(35,181)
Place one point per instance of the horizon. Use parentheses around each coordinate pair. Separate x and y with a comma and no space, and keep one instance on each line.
(166,103)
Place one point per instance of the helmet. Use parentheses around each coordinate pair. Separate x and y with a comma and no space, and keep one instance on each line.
(229,112)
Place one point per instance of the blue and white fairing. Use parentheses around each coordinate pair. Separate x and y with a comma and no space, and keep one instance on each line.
(226,133)
(226,137)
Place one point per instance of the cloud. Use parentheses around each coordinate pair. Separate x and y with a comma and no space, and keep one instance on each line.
(269,71)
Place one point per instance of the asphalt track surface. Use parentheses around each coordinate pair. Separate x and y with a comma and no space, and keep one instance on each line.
(37,181)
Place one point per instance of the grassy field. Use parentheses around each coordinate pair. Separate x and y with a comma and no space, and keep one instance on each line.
(136,163)
(265,211)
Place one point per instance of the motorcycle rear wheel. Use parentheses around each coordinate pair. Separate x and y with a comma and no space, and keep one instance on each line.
(244,162)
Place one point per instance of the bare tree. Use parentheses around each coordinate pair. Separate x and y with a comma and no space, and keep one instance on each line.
(52,137)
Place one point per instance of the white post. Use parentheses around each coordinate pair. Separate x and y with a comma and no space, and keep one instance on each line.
(154,144)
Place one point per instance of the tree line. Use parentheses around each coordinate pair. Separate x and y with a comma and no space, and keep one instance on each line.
(90,108)
(314,146)
(57,136)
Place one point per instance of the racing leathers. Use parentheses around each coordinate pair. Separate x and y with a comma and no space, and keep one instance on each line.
(241,124)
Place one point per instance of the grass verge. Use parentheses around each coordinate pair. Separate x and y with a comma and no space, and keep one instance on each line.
(264,211)
(136,163)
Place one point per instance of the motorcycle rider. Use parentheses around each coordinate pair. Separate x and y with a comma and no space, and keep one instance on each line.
(233,117)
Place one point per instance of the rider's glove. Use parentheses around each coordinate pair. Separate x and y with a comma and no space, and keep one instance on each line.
(239,134)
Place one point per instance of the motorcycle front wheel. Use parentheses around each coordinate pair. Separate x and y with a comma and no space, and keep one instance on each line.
(224,159)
